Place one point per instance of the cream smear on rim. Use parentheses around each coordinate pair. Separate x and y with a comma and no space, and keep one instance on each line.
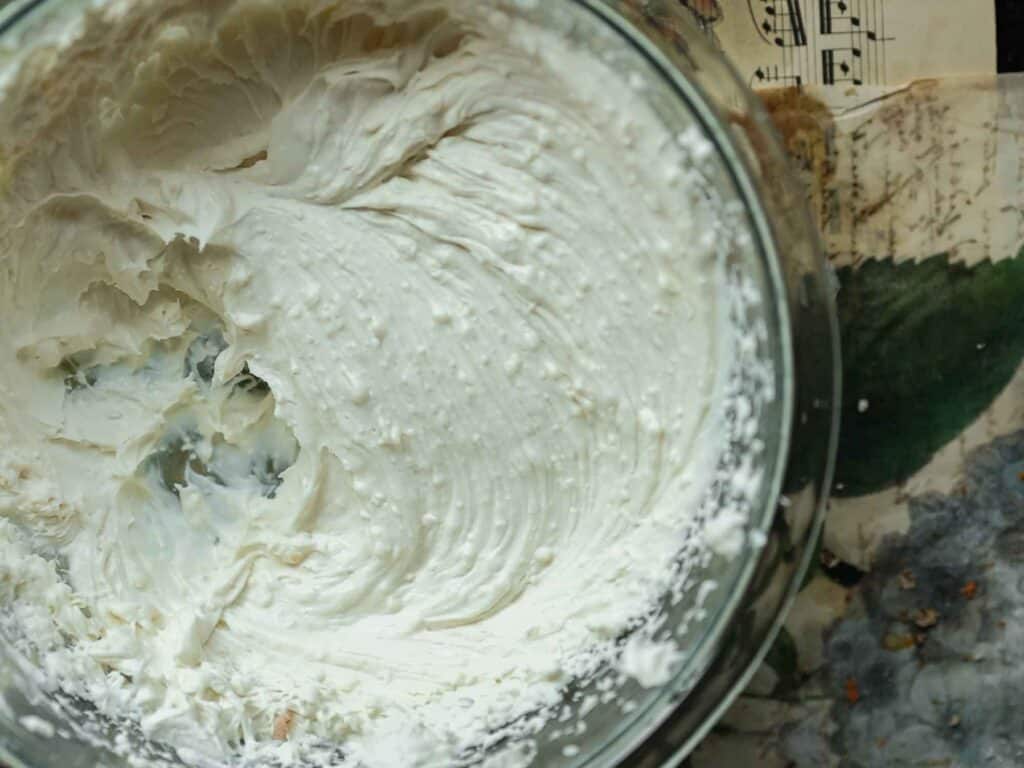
(358,362)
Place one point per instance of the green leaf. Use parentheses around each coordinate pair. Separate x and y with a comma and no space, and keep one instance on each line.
(927,347)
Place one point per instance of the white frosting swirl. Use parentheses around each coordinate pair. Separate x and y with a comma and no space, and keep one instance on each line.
(355,363)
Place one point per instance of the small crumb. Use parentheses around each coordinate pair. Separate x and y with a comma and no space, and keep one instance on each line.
(926,618)
(570,750)
(544,556)
(852,690)
(970,589)
(863,405)
(907,579)
(893,642)
(954,721)
(283,725)
(360,395)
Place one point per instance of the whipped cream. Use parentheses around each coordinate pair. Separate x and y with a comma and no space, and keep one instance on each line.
(358,370)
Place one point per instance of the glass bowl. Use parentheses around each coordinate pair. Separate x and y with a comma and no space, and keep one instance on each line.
(785,362)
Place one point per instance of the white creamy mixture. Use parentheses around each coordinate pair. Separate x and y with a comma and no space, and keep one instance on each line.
(356,364)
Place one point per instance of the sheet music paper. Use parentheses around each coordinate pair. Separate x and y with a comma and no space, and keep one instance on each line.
(938,167)
(841,45)
(922,142)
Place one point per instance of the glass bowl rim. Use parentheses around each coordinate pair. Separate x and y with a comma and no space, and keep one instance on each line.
(628,739)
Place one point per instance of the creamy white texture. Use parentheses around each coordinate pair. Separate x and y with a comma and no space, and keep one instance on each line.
(357,364)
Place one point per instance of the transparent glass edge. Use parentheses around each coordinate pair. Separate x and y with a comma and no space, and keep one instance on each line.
(743,176)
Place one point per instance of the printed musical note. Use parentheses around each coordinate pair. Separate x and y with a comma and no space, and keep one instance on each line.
(771,74)
(842,65)
(781,22)
(874,37)
(837,16)
(796,21)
